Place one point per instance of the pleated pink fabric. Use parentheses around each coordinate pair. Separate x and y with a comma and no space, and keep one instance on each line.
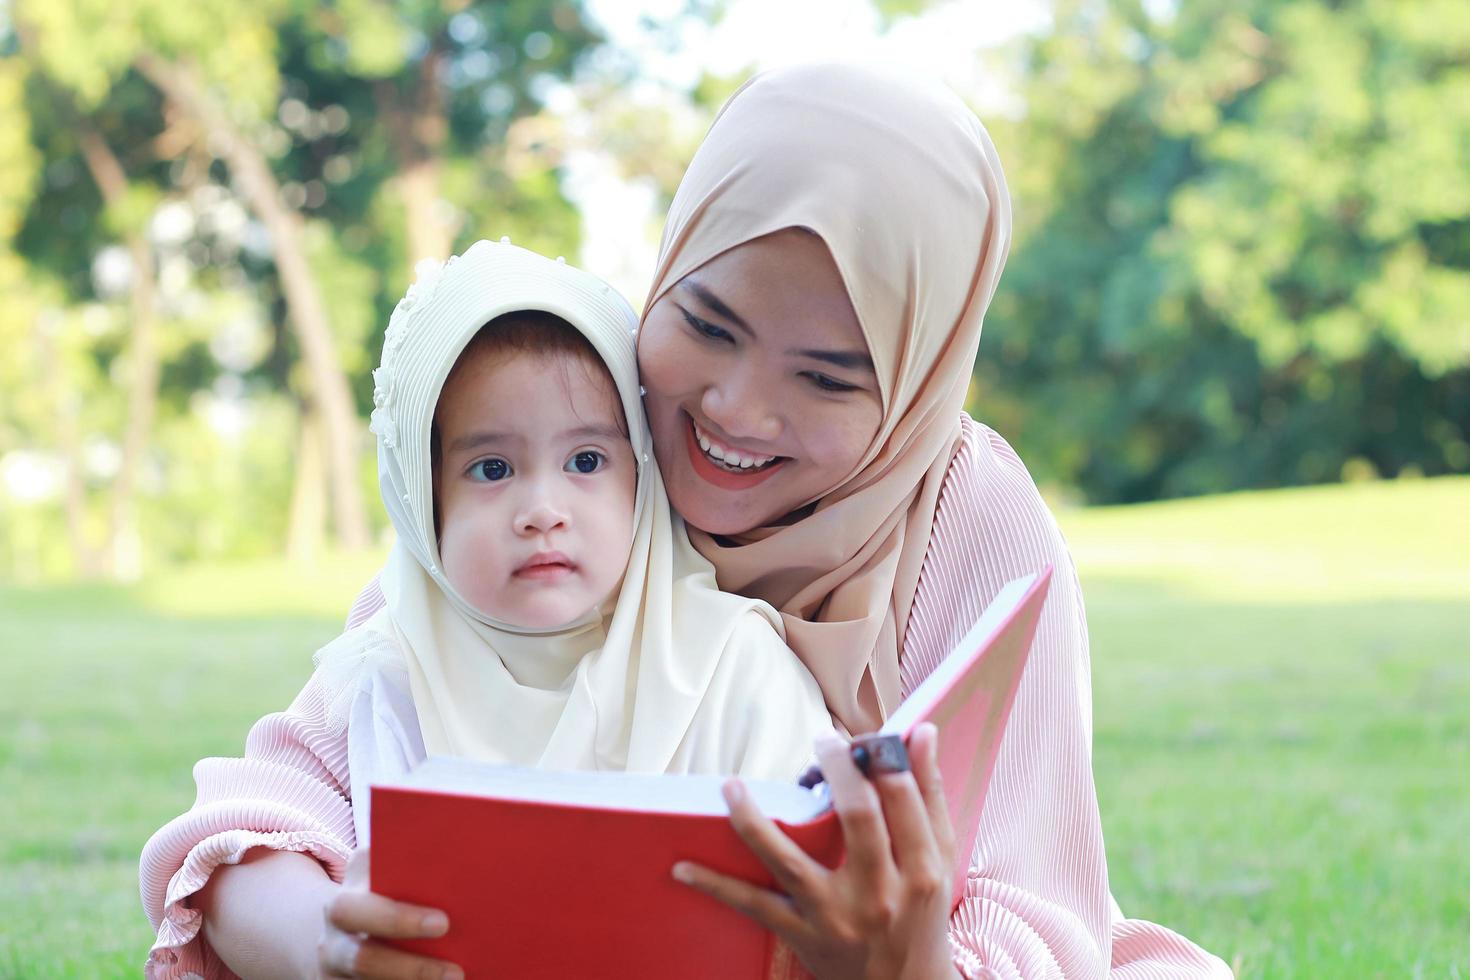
(1036,903)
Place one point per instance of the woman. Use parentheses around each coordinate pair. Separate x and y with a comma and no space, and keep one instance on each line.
(806,350)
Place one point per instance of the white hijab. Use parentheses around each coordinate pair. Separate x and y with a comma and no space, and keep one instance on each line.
(673,675)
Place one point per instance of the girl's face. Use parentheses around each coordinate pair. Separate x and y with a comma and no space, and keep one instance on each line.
(761,391)
(535,486)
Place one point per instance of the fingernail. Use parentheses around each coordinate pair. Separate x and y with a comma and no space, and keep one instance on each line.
(434,924)
(734,792)
(452,973)
(683,873)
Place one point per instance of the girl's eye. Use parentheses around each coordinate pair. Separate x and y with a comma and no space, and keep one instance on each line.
(825,383)
(705,329)
(587,461)
(490,470)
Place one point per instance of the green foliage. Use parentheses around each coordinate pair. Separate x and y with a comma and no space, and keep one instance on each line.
(88,45)
(18,158)
(1242,256)
(340,99)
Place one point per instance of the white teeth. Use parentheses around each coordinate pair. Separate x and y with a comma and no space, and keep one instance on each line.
(729,457)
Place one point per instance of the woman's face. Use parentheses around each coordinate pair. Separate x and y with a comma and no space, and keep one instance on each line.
(761,391)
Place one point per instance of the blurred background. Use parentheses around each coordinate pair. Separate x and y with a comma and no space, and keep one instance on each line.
(1232,344)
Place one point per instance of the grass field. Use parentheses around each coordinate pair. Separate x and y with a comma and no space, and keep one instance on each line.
(1282,715)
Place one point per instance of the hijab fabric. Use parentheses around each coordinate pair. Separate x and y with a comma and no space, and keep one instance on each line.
(640,684)
(901,181)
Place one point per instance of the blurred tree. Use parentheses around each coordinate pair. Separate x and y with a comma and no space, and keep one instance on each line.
(439,105)
(126,206)
(1243,249)
(215,62)
(362,135)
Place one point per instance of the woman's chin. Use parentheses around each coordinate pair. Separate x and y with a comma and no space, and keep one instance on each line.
(704,511)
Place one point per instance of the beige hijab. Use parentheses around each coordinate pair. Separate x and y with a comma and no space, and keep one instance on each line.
(901,181)
(670,676)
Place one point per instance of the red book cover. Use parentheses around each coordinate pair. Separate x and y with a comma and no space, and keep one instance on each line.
(562,874)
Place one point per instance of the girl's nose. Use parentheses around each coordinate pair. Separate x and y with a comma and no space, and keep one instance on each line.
(736,404)
(541,515)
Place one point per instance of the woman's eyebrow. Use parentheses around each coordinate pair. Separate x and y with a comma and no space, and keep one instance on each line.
(709,299)
(853,360)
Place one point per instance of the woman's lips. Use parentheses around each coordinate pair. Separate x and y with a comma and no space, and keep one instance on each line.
(718,475)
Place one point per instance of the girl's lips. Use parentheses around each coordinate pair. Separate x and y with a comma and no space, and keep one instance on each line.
(718,475)
(546,567)
(544,573)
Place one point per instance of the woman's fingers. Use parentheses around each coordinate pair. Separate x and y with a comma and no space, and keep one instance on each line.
(793,869)
(907,818)
(771,910)
(924,752)
(859,809)
(364,912)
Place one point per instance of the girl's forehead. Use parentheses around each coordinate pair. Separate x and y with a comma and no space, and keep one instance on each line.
(529,393)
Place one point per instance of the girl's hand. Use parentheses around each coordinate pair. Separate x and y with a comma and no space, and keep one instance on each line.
(885,911)
(355,919)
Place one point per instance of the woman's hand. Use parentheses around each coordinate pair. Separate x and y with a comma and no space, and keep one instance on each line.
(355,919)
(885,911)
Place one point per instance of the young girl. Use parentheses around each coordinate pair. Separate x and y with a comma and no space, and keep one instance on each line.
(543,608)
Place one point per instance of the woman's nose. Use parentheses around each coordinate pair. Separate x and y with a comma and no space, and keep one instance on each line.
(739,404)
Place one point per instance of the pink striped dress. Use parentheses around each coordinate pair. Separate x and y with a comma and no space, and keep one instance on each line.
(1036,904)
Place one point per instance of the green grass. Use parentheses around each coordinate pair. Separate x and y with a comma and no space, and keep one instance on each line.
(1282,725)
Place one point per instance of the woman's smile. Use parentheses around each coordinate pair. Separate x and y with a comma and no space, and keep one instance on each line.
(725,466)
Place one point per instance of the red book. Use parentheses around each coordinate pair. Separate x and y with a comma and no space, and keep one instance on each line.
(567,874)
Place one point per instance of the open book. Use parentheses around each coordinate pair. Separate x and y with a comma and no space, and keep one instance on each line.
(564,874)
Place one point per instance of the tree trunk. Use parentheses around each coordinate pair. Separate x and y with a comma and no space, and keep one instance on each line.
(123,545)
(341,428)
(308,502)
(428,236)
(417,130)
(74,493)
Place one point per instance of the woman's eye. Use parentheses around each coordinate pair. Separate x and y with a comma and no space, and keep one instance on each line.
(490,470)
(705,329)
(825,383)
(586,461)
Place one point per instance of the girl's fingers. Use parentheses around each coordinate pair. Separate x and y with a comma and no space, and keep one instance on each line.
(793,869)
(378,962)
(337,953)
(859,809)
(358,871)
(364,912)
(771,910)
